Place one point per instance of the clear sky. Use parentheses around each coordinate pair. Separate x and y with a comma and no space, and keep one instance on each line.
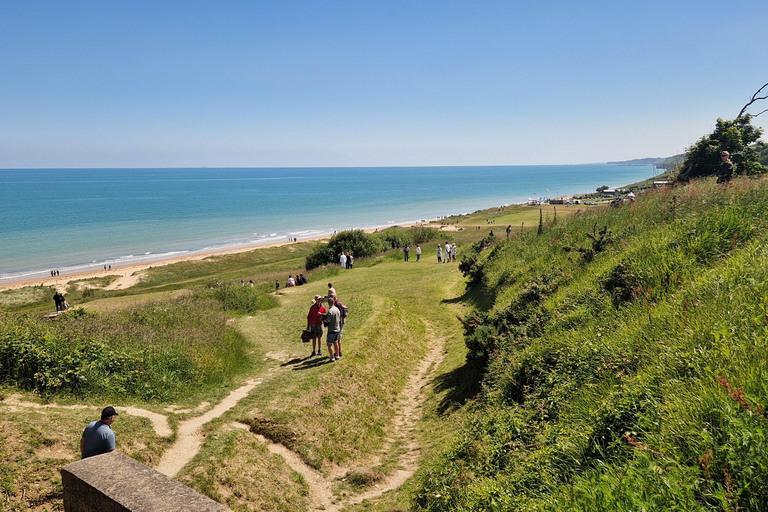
(366,83)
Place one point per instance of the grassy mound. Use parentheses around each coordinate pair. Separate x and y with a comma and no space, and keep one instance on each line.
(158,350)
(625,362)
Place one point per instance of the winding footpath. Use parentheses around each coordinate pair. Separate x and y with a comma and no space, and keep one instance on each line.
(190,436)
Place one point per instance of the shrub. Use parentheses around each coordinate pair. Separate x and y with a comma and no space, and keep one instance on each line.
(156,351)
(357,242)
(242,300)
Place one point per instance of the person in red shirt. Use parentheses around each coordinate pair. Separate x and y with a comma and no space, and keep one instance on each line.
(315,324)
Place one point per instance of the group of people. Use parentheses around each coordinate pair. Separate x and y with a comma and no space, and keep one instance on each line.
(54,273)
(346,260)
(407,252)
(299,280)
(60,301)
(450,253)
(332,319)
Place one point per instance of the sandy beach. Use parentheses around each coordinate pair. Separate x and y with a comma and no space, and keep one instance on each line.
(131,273)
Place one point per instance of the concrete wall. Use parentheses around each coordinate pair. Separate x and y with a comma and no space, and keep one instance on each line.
(115,483)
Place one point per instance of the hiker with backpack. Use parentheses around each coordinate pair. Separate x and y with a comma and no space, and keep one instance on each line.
(315,324)
(343,313)
(333,322)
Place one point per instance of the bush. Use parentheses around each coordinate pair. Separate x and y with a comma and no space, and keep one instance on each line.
(357,242)
(242,300)
(156,351)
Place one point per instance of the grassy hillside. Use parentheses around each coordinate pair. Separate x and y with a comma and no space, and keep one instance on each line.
(625,362)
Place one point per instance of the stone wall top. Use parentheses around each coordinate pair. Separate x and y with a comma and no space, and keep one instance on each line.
(115,483)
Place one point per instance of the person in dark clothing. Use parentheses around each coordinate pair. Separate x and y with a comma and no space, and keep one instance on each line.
(725,172)
(58,299)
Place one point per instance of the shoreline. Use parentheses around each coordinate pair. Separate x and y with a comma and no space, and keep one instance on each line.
(128,271)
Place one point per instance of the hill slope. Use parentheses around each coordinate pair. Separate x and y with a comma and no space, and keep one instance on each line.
(625,362)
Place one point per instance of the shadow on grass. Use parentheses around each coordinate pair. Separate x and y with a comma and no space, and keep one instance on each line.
(306,363)
(477,297)
(460,385)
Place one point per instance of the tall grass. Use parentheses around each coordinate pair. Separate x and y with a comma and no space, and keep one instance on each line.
(159,350)
(634,379)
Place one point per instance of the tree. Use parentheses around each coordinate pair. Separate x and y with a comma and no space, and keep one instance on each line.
(738,137)
(755,97)
(602,188)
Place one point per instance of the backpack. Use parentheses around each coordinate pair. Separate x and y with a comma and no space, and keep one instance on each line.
(342,309)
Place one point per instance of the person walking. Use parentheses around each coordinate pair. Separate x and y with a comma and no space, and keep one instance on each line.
(406,252)
(98,437)
(447,252)
(334,330)
(453,251)
(418,253)
(315,324)
(439,254)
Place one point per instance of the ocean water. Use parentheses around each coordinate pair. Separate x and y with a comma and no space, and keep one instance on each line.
(80,219)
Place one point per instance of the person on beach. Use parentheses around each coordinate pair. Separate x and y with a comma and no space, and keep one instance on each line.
(98,437)
(334,330)
(418,253)
(315,324)
(725,172)
(439,254)
(331,291)
(406,252)
(343,260)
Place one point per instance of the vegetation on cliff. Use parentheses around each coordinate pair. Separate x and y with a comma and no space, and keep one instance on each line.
(624,356)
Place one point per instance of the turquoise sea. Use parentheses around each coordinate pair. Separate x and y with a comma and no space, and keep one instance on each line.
(80,219)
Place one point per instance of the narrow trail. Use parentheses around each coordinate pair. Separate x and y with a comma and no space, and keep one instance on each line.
(190,436)
(404,423)
(159,422)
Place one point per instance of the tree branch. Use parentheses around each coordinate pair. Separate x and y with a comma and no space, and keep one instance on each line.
(755,97)
(763,112)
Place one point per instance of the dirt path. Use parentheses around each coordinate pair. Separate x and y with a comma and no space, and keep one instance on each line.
(411,402)
(190,436)
(159,422)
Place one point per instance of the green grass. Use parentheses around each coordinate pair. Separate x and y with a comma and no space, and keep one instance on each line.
(632,379)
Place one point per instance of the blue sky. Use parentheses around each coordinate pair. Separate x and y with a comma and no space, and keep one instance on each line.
(311,83)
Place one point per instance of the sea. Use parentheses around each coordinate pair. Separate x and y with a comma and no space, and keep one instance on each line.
(75,220)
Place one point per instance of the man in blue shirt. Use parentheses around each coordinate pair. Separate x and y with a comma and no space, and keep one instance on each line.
(98,437)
